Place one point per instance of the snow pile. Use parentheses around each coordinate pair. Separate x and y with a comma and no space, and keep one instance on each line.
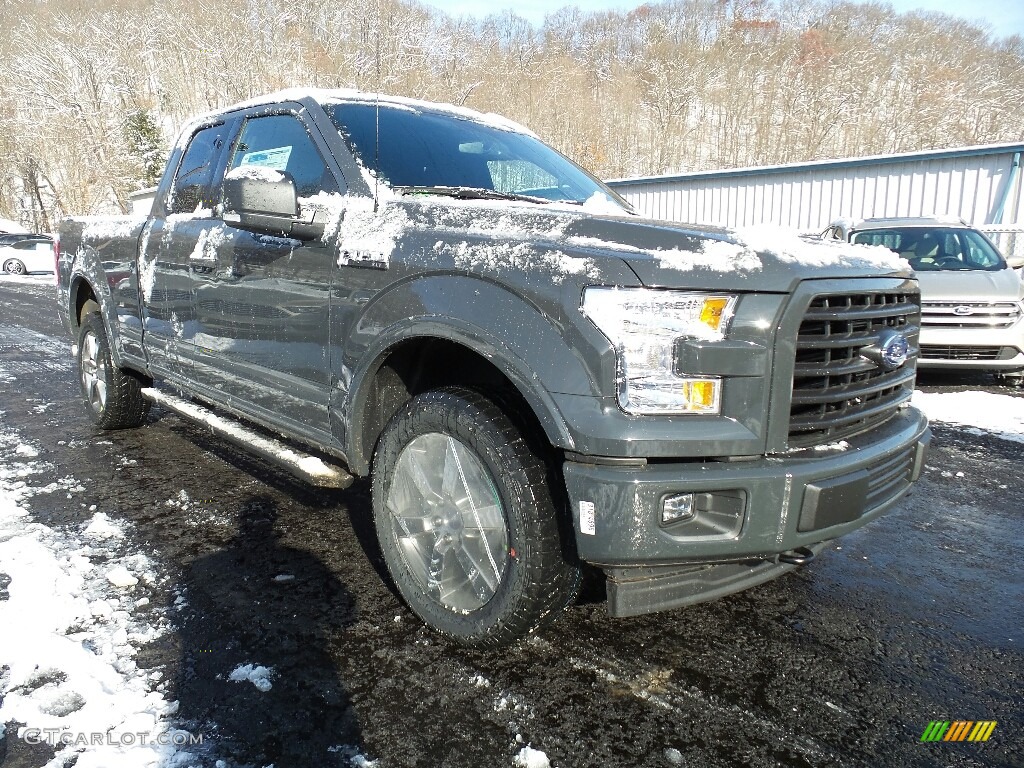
(255,172)
(529,757)
(102,527)
(981,412)
(600,204)
(147,264)
(525,257)
(788,246)
(110,227)
(256,674)
(353,756)
(715,255)
(365,231)
(208,242)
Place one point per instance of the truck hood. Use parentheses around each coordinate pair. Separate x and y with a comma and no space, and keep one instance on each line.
(763,258)
(971,286)
(660,254)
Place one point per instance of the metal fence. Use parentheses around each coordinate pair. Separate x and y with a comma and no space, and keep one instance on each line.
(1009,240)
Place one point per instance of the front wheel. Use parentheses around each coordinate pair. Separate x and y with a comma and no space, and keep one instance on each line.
(14,267)
(466,520)
(113,397)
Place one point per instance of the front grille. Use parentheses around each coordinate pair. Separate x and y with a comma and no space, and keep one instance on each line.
(945,352)
(838,391)
(966,314)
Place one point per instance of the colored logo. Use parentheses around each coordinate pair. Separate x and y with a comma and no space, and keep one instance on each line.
(958,730)
(963,310)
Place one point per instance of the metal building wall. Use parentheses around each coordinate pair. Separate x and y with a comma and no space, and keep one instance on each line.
(966,182)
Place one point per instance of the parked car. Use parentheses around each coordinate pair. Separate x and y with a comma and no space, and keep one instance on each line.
(7,238)
(21,254)
(972,299)
(534,377)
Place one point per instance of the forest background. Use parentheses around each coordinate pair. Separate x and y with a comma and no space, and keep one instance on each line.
(93,93)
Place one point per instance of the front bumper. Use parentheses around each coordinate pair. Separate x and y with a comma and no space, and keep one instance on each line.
(986,349)
(753,510)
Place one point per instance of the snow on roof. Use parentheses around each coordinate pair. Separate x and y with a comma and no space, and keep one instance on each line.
(10,227)
(352,96)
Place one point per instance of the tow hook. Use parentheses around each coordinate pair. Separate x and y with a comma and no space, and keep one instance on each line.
(798,556)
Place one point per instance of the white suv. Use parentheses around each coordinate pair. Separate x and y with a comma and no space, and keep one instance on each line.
(972,300)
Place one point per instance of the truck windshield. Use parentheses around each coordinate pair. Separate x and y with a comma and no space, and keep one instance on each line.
(937,248)
(425,152)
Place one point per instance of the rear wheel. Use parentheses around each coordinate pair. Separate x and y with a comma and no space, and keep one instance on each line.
(466,520)
(113,397)
(14,267)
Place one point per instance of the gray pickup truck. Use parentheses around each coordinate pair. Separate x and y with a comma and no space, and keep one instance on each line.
(534,377)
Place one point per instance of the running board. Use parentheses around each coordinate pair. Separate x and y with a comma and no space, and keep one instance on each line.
(312,469)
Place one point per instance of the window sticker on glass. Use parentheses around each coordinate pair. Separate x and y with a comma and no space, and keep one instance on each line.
(276,159)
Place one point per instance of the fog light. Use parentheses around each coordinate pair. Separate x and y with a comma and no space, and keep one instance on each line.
(676,508)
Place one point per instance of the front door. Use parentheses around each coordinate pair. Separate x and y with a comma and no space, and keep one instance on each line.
(261,301)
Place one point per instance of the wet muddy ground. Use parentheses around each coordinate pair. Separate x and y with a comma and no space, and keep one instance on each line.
(917,617)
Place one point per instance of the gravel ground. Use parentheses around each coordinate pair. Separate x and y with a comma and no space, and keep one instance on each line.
(914,618)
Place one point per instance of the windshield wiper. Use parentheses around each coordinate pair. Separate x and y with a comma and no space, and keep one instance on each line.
(473,193)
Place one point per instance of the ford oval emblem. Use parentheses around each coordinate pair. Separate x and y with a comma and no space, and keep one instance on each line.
(894,349)
(962,310)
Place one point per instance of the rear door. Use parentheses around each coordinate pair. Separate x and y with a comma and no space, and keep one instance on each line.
(183,221)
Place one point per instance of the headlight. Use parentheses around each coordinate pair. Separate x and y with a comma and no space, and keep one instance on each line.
(643,325)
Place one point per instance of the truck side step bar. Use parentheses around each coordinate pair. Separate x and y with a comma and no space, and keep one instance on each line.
(312,469)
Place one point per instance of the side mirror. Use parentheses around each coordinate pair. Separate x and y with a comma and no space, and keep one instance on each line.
(1015,262)
(265,200)
(260,199)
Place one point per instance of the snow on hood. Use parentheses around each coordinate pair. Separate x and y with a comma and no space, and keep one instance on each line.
(788,246)
(685,248)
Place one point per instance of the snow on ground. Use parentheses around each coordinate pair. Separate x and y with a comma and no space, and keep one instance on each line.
(36,278)
(980,412)
(73,618)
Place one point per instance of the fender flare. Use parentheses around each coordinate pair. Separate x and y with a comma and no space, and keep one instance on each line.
(506,330)
(89,277)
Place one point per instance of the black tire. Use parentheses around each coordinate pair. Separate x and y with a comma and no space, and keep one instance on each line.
(532,574)
(113,397)
(14,267)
